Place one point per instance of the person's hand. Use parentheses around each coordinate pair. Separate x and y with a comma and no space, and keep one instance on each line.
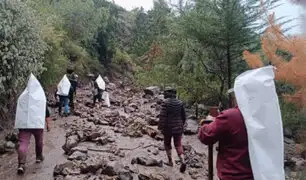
(211,118)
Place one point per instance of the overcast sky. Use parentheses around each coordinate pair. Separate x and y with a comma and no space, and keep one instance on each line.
(286,9)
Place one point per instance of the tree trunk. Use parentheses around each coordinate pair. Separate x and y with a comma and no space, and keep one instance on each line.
(229,74)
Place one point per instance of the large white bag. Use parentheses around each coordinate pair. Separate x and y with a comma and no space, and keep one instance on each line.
(258,102)
(100,82)
(31,106)
(105,97)
(63,86)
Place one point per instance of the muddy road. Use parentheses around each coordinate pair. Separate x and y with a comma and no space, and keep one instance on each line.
(119,142)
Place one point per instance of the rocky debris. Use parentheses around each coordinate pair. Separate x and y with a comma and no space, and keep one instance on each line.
(71,142)
(92,164)
(192,158)
(191,126)
(67,168)
(125,176)
(153,121)
(113,168)
(12,136)
(152,90)
(289,149)
(147,161)
(77,155)
(147,176)
(129,109)
(81,149)
(138,129)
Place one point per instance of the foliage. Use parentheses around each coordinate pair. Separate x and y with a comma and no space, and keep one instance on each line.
(290,72)
(293,117)
(21,48)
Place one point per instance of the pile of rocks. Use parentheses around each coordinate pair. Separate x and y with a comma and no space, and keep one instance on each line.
(10,143)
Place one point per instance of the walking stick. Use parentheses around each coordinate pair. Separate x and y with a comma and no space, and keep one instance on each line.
(210,156)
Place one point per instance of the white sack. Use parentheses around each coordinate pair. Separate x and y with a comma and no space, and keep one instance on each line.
(258,102)
(100,82)
(31,106)
(63,86)
(105,97)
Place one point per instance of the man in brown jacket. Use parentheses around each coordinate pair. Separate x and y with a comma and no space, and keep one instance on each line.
(171,123)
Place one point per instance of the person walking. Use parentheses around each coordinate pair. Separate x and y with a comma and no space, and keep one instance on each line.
(73,79)
(171,123)
(229,130)
(63,91)
(32,115)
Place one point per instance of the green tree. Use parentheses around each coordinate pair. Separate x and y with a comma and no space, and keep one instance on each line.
(225,28)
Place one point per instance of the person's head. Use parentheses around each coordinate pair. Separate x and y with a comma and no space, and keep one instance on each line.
(170,93)
(69,70)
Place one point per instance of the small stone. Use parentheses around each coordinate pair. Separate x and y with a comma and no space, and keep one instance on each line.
(9,145)
(77,155)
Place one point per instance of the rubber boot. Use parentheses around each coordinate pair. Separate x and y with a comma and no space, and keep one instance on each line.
(169,155)
(183,163)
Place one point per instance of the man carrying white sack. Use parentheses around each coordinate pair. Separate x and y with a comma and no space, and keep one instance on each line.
(250,136)
(31,116)
(63,89)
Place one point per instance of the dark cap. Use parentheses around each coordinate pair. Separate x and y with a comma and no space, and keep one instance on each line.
(170,90)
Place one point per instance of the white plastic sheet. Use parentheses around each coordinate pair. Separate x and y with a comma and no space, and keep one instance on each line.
(105,97)
(63,87)
(100,82)
(31,106)
(257,99)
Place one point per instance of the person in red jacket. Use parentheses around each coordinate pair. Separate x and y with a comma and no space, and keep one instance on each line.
(229,130)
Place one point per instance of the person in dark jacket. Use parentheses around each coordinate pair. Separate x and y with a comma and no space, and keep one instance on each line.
(228,128)
(73,79)
(171,123)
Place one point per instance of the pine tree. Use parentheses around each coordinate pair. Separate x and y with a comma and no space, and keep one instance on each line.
(288,70)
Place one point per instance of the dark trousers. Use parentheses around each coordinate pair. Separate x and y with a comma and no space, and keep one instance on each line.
(97,97)
(64,101)
(71,97)
(177,143)
(24,141)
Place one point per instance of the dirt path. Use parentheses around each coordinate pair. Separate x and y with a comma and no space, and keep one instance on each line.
(54,153)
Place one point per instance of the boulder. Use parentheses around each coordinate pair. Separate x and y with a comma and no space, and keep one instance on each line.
(92,164)
(147,161)
(113,168)
(152,90)
(125,176)
(152,121)
(13,137)
(71,142)
(67,168)
(191,127)
(9,146)
(289,149)
(128,109)
(77,155)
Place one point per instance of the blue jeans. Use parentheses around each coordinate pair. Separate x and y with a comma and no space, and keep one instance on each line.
(64,101)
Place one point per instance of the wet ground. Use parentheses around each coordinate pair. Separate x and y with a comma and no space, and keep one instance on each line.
(131,147)
(53,153)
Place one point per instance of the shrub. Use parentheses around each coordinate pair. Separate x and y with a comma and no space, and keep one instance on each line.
(21,50)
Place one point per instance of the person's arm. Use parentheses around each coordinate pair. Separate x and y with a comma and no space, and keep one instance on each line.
(213,132)
(162,116)
(183,114)
(48,118)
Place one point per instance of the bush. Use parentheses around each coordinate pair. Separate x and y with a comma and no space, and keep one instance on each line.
(293,118)
(21,50)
